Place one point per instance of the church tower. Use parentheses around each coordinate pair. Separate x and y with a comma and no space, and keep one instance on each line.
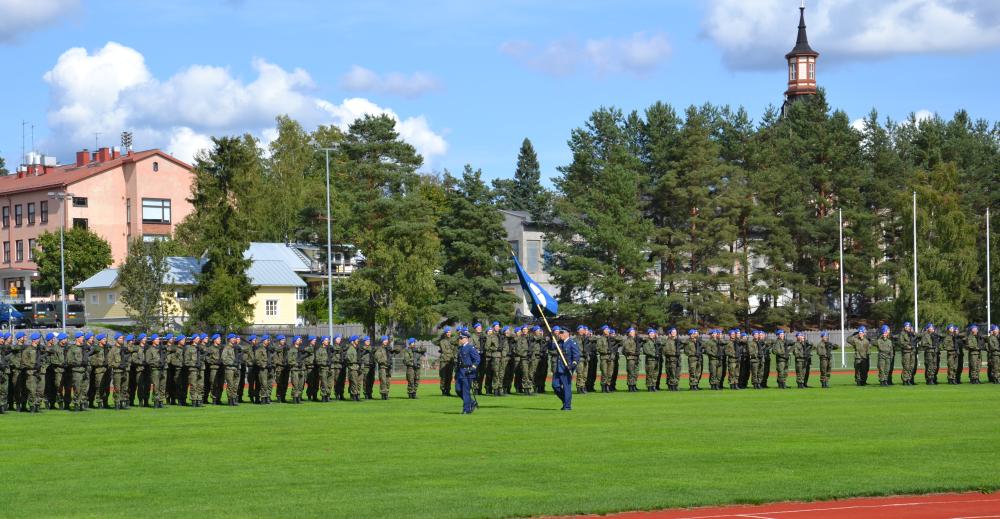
(801,65)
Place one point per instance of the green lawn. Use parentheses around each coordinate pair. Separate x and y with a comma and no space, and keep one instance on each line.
(517,456)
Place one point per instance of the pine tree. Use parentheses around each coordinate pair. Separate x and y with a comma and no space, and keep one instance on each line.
(476,255)
(141,277)
(525,191)
(221,196)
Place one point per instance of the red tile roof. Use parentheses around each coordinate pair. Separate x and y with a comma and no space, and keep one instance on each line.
(69,173)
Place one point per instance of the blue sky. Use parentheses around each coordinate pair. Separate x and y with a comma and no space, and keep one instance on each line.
(468,80)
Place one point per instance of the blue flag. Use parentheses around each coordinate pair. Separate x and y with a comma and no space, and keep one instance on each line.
(539,297)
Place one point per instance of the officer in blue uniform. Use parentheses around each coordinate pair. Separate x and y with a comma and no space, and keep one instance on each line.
(468,362)
(562,378)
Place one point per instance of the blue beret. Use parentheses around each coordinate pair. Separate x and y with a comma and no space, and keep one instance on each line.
(154,337)
(35,336)
(324,338)
(884,328)
(265,337)
(310,338)
(230,336)
(447,329)
(692,331)
(994,328)
(77,335)
(928,326)
(824,334)
(604,327)
(651,331)
(556,329)
(297,338)
(252,338)
(411,340)
(862,329)
(477,325)
(671,329)
(62,336)
(496,323)
(630,329)
(141,336)
(799,334)
(216,336)
(49,336)
(505,329)
(203,336)
(195,337)
(536,328)
(383,338)
(19,335)
(88,336)
(517,329)
(779,332)
(168,336)
(119,336)
(279,337)
(366,338)
(338,336)
(907,323)
(973,326)
(100,336)
(130,337)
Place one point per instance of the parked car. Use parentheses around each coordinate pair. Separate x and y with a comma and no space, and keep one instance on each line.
(75,315)
(37,315)
(10,316)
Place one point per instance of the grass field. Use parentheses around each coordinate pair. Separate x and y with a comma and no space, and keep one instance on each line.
(517,456)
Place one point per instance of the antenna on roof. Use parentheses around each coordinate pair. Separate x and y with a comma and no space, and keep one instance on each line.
(23,124)
(127,141)
(97,135)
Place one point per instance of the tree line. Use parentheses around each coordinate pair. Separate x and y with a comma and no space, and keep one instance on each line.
(690,218)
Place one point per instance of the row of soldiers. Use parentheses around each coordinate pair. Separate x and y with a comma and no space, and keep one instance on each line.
(517,357)
(155,370)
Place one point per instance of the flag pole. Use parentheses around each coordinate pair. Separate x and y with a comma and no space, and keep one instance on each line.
(989,313)
(916,320)
(541,313)
(843,329)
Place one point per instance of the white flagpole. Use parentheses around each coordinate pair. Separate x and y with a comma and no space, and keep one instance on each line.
(989,313)
(916,320)
(843,332)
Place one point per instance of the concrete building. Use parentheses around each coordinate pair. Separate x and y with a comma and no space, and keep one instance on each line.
(527,240)
(116,196)
(275,302)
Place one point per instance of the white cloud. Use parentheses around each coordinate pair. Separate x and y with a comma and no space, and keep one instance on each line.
(21,16)
(361,79)
(638,54)
(923,115)
(755,33)
(111,90)
(858,124)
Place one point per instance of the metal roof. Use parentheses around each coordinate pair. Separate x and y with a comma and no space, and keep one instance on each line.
(182,270)
(802,47)
(106,278)
(277,252)
(273,274)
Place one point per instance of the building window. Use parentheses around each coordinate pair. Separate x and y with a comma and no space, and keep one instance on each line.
(32,245)
(93,299)
(300,293)
(812,71)
(271,307)
(155,210)
(6,252)
(79,201)
(17,215)
(156,167)
(181,295)
(6,216)
(79,223)
(111,298)
(791,71)
(43,210)
(532,253)
(19,250)
(154,237)
(31,213)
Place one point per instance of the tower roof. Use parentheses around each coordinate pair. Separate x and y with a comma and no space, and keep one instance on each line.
(802,47)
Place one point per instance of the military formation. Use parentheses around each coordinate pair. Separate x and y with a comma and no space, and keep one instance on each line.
(86,370)
(119,371)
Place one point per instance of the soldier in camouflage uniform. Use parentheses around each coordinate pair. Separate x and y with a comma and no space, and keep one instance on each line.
(54,356)
(174,365)
(231,367)
(802,351)
(603,348)
(119,360)
(524,355)
(993,350)
(541,348)
(710,347)
(382,357)
(510,361)
(862,347)
(951,345)
(260,390)
(98,368)
(412,355)
(651,353)
(974,344)
(446,368)
(930,342)
(491,360)
(156,359)
(694,351)
(906,342)
(582,339)
(295,361)
(733,349)
(192,367)
(764,345)
(352,355)
(323,360)
(630,350)
(367,366)
(753,351)
(308,361)
(30,362)
(886,352)
(781,349)
(339,369)
(825,349)
(672,359)
(78,363)
(281,373)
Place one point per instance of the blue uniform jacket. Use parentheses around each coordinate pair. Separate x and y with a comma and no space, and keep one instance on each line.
(468,357)
(572,353)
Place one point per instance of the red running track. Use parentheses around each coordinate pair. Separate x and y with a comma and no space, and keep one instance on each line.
(934,506)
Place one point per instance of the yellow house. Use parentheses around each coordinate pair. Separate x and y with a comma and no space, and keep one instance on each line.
(275,302)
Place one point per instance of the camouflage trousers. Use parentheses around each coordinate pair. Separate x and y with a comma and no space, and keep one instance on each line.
(884,363)
(541,368)
(526,372)
(975,365)
(755,371)
(734,370)
(931,364)
(993,366)
(694,370)
(861,370)
(607,363)
(672,369)
(119,378)
(325,381)
(384,378)
(652,366)
(28,384)
(801,369)
(446,372)
(297,379)
(354,381)
(632,370)
(99,384)
(191,376)
(824,369)
(79,387)
(158,377)
(909,358)
(213,384)
(781,365)
(714,371)
(232,375)
(412,379)
(3,387)
(953,366)
(765,370)
(581,374)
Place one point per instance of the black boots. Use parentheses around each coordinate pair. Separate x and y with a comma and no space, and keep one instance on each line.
(825,384)
(356,398)
(732,386)
(385,396)
(326,399)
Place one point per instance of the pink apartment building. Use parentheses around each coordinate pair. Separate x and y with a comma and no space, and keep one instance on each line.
(119,197)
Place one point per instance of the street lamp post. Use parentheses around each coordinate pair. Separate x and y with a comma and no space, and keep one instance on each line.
(62,196)
(329,249)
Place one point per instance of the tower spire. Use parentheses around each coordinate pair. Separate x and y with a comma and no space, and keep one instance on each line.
(801,64)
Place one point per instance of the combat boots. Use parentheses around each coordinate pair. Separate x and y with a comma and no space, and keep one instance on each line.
(732,386)
(3,409)
(355,398)
(781,385)
(825,384)
(385,396)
